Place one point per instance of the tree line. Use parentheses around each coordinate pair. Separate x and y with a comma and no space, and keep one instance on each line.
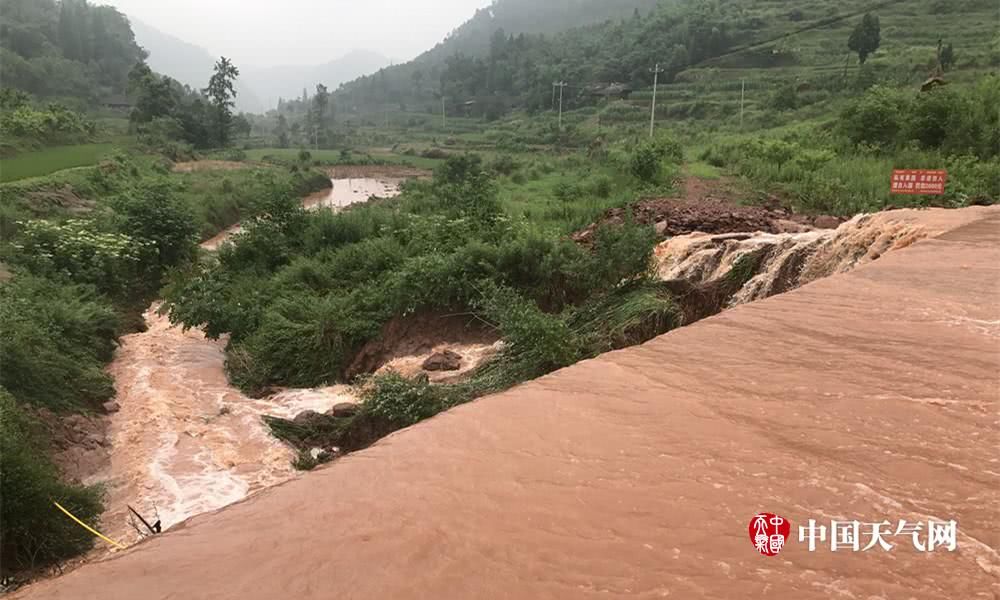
(66,49)
(166,111)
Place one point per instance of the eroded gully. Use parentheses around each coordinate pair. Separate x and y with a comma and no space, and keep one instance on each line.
(184,441)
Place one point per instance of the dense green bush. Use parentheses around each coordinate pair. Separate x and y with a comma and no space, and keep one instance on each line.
(301,293)
(957,120)
(645,163)
(32,126)
(79,251)
(33,532)
(878,117)
(56,339)
(401,402)
(162,223)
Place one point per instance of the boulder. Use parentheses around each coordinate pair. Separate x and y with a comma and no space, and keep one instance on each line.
(343,410)
(787,226)
(661,228)
(443,361)
(826,222)
(111,407)
(308,418)
(321,455)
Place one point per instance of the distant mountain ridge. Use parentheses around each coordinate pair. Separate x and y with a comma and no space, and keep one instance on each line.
(258,89)
(288,81)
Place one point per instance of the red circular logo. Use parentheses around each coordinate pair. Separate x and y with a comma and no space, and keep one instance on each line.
(768,533)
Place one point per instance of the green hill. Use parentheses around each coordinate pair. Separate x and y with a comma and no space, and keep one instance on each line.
(708,49)
(68,50)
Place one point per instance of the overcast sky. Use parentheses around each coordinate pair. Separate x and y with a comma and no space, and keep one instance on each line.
(280,32)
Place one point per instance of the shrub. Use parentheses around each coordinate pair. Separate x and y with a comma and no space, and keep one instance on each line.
(399,401)
(669,148)
(566,191)
(155,216)
(785,97)
(53,350)
(32,531)
(505,164)
(435,154)
(645,163)
(535,343)
(878,117)
(77,250)
(601,186)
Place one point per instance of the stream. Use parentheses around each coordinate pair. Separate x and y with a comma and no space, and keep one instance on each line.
(185,441)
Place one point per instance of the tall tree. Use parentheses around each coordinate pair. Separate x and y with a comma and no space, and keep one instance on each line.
(282,132)
(866,37)
(221,93)
(946,55)
(321,101)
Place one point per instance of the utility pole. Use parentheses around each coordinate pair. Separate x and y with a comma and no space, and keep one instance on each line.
(743,89)
(652,113)
(561,85)
(444,119)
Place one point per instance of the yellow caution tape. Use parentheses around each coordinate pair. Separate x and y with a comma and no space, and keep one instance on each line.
(89,528)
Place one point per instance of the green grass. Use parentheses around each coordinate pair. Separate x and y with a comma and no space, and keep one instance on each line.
(50,160)
(358,156)
(703,170)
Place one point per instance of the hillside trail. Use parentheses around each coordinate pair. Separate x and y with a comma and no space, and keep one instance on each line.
(869,395)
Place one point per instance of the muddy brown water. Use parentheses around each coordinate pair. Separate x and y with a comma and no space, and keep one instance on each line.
(341,194)
(868,395)
(185,441)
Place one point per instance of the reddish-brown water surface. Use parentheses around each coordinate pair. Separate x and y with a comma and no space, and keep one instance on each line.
(869,395)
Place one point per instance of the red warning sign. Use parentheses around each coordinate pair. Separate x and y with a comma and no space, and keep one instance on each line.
(919,181)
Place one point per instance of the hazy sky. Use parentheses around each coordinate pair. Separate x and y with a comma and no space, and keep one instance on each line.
(278,32)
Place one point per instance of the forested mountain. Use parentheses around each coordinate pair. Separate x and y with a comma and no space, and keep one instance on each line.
(258,89)
(187,63)
(501,59)
(533,17)
(288,81)
(68,49)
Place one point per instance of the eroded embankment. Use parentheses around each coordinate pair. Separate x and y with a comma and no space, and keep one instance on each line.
(869,395)
(182,441)
(700,274)
(774,263)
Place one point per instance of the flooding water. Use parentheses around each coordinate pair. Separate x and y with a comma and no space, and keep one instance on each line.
(789,260)
(868,396)
(351,191)
(185,441)
(343,193)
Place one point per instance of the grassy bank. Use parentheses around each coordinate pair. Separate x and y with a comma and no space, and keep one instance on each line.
(86,250)
(49,160)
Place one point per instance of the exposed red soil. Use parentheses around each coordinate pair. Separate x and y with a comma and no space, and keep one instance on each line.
(708,206)
(418,335)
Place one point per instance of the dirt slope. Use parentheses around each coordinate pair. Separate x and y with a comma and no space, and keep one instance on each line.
(871,395)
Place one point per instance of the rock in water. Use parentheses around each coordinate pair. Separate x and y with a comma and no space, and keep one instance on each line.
(443,361)
(827,222)
(307,418)
(343,410)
